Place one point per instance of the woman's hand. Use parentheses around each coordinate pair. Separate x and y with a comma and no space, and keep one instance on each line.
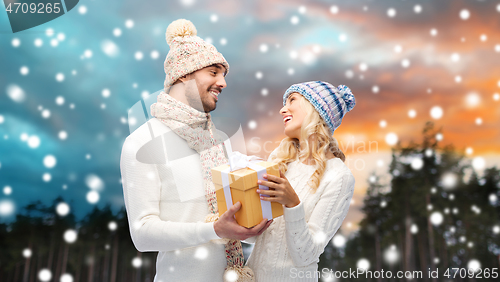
(283,192)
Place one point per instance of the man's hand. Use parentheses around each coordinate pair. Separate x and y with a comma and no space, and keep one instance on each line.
(227,227)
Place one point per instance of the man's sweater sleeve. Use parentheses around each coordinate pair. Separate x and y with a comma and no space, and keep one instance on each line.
(306,241)
(141,189)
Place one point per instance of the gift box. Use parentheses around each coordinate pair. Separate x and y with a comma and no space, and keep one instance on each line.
(240,186)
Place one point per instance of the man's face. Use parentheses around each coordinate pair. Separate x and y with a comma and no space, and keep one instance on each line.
(204,87)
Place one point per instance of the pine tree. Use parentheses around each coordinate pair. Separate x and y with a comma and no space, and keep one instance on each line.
(435,212)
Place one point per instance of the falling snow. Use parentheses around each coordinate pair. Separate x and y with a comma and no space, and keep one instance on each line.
(391,12)
(129,23)
(62,209)
(7,207)
(391,139)
(339,241)
(49,161)
(109,48)
(45,275)
(464,14)
(16,42)
(294,20)
(70,236)
(92,197)
(436,112)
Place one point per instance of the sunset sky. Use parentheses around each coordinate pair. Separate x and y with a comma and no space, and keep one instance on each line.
(401,59)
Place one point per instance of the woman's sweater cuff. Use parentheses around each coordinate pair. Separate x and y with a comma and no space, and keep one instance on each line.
(295,214)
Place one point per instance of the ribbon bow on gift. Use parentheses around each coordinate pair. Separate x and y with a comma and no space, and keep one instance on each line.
(237,161)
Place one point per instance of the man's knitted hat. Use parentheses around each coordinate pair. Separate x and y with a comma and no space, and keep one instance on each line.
(331,102)
(188,52)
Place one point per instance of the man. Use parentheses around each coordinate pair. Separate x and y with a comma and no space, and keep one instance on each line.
(165,166)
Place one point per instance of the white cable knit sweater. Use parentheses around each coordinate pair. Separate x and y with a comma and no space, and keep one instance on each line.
(166,206)
(289,249)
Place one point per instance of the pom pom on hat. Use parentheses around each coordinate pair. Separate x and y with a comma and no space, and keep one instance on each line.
(346,93)
(180,28)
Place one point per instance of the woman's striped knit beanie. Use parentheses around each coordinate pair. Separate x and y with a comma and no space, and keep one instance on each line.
(331,102)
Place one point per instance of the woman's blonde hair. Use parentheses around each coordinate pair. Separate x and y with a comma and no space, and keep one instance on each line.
(314,129)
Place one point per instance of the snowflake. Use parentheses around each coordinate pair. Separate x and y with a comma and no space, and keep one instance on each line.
(405,63)
(391,13)
(82,10)
(49,161)
(59,100)
(263,48)
(112,225)
(92,197)
(44,275)
(62,209)
(464,14)
(7,190)
(94,182)
(391,139)
(129,23)
(16,93)
(252,124)
(16,42)
(117,32)
(339,241)
(87,53)
(383,123)
(138,55)
(436,218)
(63,135)
(363,264)
(24,70)
(412,113)
(47,177)
(109,48)
(436,112)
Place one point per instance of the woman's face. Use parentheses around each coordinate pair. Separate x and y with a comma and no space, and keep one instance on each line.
(293,115)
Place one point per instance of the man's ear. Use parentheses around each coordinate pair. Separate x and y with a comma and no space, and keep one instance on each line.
(185,78)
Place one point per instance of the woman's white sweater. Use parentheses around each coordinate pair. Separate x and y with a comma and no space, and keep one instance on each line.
(289,249)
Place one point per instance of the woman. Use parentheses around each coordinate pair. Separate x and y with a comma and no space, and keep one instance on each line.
(315,187)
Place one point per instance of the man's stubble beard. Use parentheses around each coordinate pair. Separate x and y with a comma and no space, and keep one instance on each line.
(194,98)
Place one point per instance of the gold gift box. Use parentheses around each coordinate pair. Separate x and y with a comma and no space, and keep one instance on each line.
(243,184)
